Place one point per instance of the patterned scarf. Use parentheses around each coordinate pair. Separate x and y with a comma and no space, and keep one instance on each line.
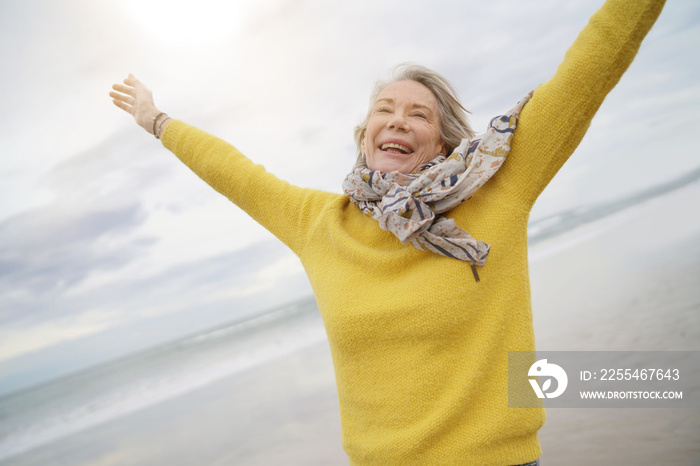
(408,204)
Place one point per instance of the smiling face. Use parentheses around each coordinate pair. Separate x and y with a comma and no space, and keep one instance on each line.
(403,131)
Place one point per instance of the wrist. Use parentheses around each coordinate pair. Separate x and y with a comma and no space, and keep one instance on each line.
(145,117)
(163,122)
(154,127)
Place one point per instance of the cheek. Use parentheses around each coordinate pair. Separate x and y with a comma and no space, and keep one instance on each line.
(429,140)
(367,144)
(436,141)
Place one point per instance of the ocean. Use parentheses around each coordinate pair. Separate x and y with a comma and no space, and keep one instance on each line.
(51,411)
(44,414)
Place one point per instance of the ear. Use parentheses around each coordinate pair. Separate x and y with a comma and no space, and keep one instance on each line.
(363,148)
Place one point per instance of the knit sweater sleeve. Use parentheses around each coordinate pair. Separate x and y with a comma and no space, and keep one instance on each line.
(284,209)
(555,120)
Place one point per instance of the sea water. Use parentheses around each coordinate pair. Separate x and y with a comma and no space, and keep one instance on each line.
(48,412)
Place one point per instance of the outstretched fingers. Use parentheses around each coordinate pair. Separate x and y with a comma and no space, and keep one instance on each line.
(128,90)
(123,106)
(122,101)
(123,97)
(132,81)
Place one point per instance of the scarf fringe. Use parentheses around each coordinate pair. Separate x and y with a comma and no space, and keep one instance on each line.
(475,273)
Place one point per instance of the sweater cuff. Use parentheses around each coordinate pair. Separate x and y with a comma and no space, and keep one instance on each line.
(171,133)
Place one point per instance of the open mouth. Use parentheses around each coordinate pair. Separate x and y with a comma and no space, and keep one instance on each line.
(395,148)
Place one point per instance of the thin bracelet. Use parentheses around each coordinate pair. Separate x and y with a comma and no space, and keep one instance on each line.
(154,122)
(160,126)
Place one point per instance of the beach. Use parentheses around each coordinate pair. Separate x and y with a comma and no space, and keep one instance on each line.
(631,285)
(282,412)
(625,282)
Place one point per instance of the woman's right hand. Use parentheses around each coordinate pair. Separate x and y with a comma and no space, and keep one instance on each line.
(136,99)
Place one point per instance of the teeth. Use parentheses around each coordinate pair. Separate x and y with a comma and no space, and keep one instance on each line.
(393,145)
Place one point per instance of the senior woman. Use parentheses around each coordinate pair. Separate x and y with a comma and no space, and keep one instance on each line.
(419,341)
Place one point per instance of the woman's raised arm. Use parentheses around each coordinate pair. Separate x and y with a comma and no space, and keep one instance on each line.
(284,209)
(553,123)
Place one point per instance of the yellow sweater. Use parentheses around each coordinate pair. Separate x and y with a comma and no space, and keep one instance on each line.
(419,348)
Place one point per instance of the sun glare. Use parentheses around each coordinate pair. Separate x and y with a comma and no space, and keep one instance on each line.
(187,23)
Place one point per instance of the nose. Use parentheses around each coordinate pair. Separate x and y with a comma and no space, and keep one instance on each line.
(398,122)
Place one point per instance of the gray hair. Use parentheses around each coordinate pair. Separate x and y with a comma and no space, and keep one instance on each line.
(454,124)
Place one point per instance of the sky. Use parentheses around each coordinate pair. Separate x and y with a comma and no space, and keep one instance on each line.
(109,245)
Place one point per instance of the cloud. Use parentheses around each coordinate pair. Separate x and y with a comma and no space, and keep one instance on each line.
(45,334)
(48,249)
(89,226)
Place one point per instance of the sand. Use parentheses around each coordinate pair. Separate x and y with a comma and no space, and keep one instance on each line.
(632,286)
(282,412)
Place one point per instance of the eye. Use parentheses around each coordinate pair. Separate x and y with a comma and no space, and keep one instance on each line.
(420,115)
(383,110)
